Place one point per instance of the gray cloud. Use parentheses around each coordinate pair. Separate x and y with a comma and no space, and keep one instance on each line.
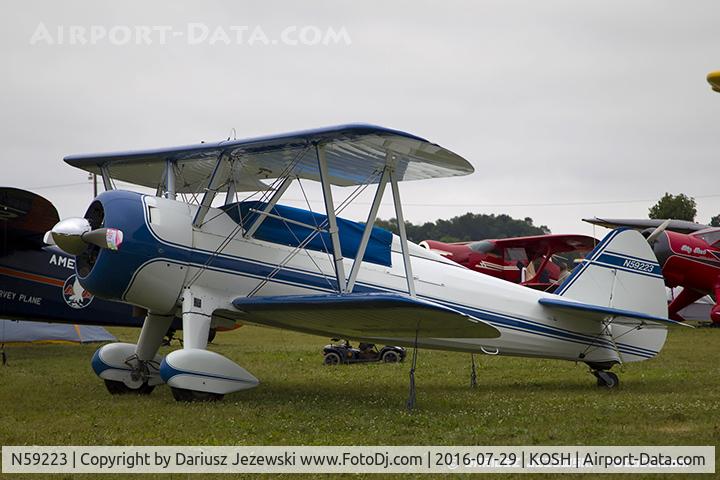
(554,101)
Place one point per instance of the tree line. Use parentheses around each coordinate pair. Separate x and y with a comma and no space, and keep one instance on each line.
(464,228)
(473,226)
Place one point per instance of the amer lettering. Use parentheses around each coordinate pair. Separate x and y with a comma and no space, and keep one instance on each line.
(61,261)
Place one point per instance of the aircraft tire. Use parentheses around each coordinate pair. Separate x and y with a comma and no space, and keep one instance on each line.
(119,388)
(190,396)
(607,380)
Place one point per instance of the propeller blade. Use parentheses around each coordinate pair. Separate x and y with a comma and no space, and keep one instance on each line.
(73,235)
(67,234)
(110,238)
(656,233)
(48,239)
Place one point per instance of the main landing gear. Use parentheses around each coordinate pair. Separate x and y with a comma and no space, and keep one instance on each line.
(185,395)
(605,378)
(193,373)
(119,388)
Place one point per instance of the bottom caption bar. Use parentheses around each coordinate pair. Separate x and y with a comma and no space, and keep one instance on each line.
(357,459)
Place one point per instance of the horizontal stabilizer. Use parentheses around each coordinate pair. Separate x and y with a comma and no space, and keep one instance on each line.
(599,313)
(361,315)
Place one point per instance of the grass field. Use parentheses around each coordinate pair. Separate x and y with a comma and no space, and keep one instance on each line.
(49,395)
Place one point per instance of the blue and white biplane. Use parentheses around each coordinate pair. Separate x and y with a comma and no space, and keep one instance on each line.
(259,262)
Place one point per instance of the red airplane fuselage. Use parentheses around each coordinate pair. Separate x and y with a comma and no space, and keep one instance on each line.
(693,262)
(491,261)
(523,260)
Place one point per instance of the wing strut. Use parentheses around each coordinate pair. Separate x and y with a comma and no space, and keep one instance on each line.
(261,216)
(107,181)
(231,193)
(332,221)
(403,234)
(170,179)
(368,229)
(210,192)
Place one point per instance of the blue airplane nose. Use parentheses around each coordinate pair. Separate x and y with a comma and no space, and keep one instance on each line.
(145,269)
(106,272)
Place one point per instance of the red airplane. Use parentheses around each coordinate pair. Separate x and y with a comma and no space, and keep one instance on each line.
(689,254)
(523,260)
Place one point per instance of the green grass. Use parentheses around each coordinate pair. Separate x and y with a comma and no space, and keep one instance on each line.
(49,395)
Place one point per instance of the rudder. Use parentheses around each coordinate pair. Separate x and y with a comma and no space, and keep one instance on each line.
(620,272)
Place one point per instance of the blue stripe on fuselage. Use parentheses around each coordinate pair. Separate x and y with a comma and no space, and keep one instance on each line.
(319,282)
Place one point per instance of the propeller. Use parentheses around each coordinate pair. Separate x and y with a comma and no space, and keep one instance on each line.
(656,233)
(74,234)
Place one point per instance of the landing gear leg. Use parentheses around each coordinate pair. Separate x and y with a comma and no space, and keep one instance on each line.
(194,373)
(196,333)
(196,323)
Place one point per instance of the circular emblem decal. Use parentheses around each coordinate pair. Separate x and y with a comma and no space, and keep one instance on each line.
(74,293)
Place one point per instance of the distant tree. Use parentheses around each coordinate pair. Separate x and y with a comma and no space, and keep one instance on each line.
(467,227)
(715,221)
(678,207)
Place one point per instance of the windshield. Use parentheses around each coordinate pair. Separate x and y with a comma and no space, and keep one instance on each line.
(711,236)
(483,246)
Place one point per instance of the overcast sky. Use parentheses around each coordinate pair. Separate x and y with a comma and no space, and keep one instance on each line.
(567,109)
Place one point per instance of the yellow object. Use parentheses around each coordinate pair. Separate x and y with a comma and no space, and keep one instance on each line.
(713,79)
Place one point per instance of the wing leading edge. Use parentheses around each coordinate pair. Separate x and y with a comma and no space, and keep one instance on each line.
(361,316)
(355,154)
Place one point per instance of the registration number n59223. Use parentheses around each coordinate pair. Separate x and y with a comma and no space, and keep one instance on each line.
(638,265)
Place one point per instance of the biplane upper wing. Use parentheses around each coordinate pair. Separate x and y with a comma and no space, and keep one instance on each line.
(355,154)
(539,245)
(680,226)
(361,315)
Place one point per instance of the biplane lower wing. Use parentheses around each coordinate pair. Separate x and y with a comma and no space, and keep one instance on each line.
(600,313)
(361,315)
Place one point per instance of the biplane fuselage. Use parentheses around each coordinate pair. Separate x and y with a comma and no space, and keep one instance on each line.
(164,253)
(263,263)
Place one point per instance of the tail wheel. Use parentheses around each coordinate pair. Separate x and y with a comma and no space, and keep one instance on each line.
(332,358)
(391,356)
(119,388)
(607,379)
(183,395)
